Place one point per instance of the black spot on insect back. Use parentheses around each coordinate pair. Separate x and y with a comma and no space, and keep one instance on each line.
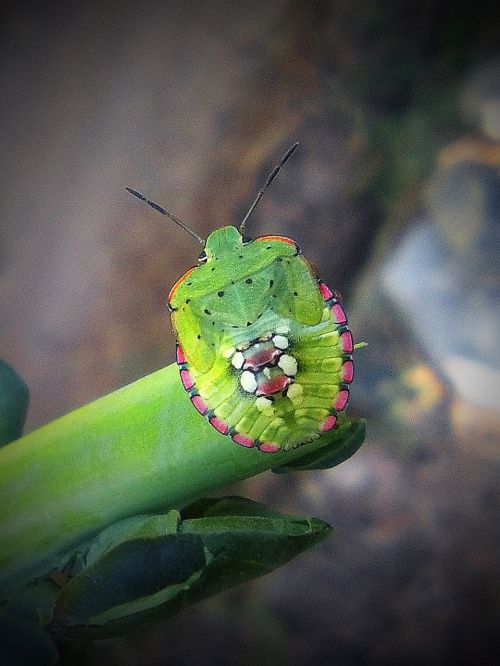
(249,280)
(207,311)
(220,294)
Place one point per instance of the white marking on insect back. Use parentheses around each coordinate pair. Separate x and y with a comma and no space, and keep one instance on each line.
(283,329)
(238,360)
(267,372)
(263,403)
(248,381)
(280,341)
(288,364)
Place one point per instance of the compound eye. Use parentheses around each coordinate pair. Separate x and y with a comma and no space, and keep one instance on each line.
(202,257)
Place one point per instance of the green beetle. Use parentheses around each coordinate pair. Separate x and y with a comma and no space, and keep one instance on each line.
(263,345)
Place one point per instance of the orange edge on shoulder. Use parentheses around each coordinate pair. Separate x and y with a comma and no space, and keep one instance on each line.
(178,283)
(283,239)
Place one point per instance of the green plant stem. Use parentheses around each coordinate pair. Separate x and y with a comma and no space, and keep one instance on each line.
(140,449)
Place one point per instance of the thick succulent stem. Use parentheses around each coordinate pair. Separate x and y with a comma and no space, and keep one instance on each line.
(140,449)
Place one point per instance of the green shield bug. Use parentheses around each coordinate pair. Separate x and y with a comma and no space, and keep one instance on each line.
(263,346)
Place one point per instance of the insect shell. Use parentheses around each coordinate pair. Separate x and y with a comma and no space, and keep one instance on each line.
(263,346)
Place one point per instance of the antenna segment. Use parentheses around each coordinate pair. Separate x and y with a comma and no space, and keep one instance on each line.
(269,180)
(161,210)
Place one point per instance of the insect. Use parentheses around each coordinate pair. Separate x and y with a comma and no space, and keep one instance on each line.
(263,346)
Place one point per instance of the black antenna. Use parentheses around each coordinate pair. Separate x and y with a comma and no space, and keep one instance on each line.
(161,210)
(269,180)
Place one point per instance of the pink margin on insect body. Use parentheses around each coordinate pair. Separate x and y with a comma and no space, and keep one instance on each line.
(338,314)
(325,291)
(341,400)
(187,380)
(242,440)
(348,371)
(199,404)
(219,425)
(346,342)
(269,447)
(328,423)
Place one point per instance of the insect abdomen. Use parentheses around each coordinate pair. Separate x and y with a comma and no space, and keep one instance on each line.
(276,383)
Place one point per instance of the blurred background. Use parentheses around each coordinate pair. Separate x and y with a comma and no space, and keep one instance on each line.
(394,194)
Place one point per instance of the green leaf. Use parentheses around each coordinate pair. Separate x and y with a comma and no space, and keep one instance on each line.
(351,436)
(14,398)
(231,505)
(233,540)
(126,578)
(130,529)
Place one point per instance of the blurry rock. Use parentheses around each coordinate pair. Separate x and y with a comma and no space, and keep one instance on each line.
(443,276)
(455,316)
(437,292)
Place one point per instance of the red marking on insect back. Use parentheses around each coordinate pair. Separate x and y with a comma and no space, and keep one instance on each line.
(199,404)
(274,385)
(341,400)
(328,423)
(348,371)
(179,354)
(346,342)
(186,379)
(269,447)
(219,425)
(178,283)
(242,440)
(325,291)
(338,314)
(262,357)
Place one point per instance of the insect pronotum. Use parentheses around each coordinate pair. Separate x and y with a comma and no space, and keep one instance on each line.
(263,346)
